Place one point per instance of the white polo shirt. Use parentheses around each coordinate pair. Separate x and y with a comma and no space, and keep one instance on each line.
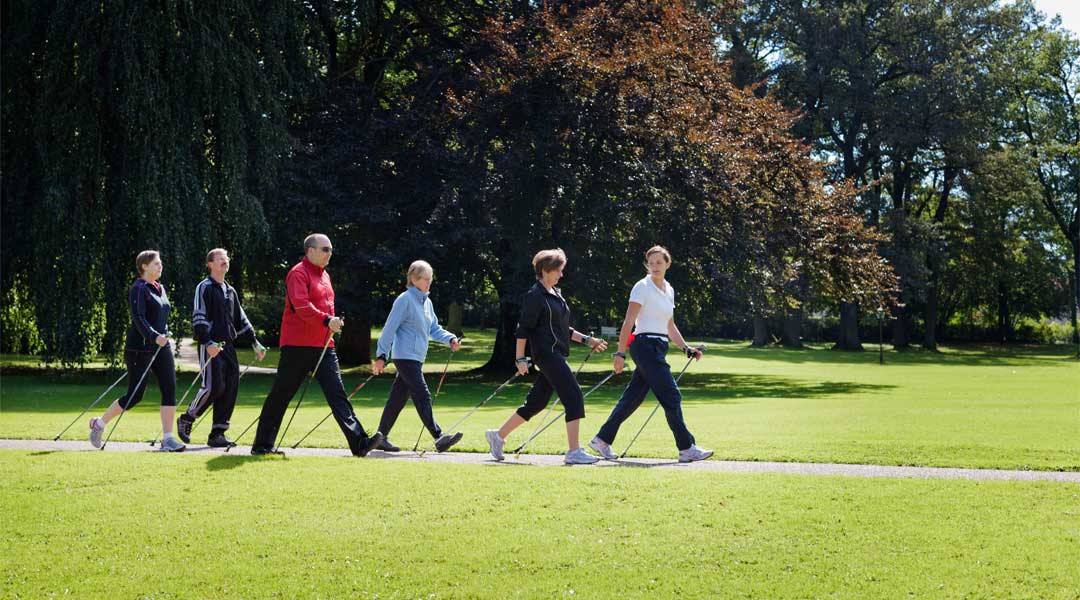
(657,306)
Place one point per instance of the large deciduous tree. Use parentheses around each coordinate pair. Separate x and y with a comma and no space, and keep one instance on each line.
(1046,124)
(137,125)
(605,128)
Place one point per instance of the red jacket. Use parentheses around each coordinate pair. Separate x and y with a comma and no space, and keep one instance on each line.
(309,304)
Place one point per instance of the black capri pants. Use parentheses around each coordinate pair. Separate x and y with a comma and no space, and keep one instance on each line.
(163,370)
(555,376)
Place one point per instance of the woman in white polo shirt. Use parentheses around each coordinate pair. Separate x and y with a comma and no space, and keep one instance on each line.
(651,311)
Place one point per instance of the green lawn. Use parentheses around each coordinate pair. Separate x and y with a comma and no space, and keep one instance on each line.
(103,525)
(197,525)
(966,407)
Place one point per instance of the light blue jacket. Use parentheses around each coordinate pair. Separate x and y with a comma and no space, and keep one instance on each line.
(409,325)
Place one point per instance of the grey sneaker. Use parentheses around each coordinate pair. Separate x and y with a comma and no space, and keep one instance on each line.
(603,449)
(694,453)
(171,444)
(495,442)
(97,429)
(578,456)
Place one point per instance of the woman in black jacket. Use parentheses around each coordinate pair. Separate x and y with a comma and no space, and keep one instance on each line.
(545,325)
(146,341)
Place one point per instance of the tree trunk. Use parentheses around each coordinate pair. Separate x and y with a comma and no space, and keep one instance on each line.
(761,332)
(354,344)
(453,321)
(502,355)
(1076,293)
(1005,329)
(901,337)
(848,338)
(792,337)
(931,315)
(934,263)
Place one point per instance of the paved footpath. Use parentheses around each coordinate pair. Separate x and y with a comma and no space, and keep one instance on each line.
(189,357)
(546,460)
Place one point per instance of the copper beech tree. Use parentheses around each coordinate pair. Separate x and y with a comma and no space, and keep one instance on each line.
(607,127)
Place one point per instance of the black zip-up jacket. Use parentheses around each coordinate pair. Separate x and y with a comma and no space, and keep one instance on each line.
(150,309)
(218,316)
(545,322)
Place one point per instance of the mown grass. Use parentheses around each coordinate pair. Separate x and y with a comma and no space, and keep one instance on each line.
(978,406)
(105,525)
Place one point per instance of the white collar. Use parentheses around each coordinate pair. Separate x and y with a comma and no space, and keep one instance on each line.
(667,286)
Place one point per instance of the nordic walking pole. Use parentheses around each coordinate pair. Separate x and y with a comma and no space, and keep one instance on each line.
(437,389)
(551,406)
(331,413)
(307,384)
(250,425)
(246,429)
(454,427)
(92,405)
(535,434)
(196,425)
(136,389)
(180,404)
(700,348)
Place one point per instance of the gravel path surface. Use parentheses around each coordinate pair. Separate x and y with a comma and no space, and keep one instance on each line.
(544,460)
(189,357)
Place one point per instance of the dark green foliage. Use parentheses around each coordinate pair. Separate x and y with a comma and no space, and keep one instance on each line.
(130,126)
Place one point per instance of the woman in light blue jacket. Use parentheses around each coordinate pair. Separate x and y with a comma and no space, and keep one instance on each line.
(411,323)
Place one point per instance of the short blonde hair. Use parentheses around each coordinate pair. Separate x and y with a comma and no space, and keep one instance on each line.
(212,255)
(144,258)
(419,269)
(658,250)
(548,260)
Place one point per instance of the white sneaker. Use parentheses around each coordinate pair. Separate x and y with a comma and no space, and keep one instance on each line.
(603,449)
(694,453)
(97,428)
(495,442)
(578,456)
(171,444)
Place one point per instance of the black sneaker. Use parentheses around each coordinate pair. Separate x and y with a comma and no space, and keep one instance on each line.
(444,442)
(184,423)
(217,439)
(263,451)
(368,445)
(388,446)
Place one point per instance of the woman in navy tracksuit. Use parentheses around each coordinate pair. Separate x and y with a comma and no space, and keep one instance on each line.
(651,310)
(149,325)
(545,325)
(404,339)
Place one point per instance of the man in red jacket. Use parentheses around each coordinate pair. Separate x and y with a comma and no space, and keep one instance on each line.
(306,325)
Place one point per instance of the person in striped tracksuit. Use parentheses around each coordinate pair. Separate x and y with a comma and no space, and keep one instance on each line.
(219,323)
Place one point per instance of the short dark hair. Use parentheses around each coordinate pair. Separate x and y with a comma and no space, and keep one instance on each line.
(144,258)
(548,260)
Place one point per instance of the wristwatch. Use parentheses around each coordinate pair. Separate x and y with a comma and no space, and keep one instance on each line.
(585,339)
(621,355)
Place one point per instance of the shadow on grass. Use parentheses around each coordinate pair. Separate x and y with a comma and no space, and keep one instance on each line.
(37,394)
(973,355)
(226,462)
